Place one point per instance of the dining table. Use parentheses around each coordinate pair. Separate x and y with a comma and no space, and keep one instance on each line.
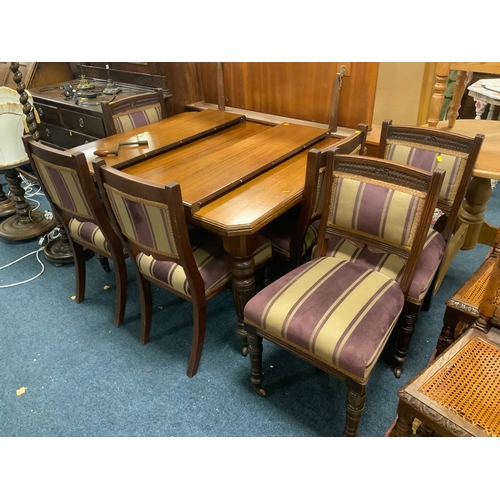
(236,176)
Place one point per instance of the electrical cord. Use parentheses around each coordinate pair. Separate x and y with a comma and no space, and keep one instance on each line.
(42,242)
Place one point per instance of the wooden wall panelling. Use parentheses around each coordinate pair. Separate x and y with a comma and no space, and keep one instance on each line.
(36,74)
(300,90)
(184,80)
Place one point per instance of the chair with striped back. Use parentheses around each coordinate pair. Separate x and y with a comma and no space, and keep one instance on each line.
(133,111)
(428,149)
(69,186)
(189,263)
(294,233)
(332,312)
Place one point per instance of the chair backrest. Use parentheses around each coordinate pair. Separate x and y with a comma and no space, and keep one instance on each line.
(68,184)
(314,191)
(134,111)
(149,217)
(379,203)
(428,149)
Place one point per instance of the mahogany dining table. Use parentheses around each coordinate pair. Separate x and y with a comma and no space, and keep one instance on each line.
(236,176)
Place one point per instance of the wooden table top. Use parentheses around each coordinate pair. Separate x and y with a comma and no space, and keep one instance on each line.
(245,173)
(163,136)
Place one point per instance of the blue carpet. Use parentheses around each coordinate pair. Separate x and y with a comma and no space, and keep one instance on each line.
(86,378)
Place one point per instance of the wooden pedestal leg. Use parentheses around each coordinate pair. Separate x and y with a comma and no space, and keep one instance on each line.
(473,209)
(27,223)
(241,249)
(7,206)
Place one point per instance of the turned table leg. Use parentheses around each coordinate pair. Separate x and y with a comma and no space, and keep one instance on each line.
(241,249)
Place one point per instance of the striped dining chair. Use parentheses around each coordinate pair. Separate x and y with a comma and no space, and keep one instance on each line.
(332,312)
(293,234)
(68,184)
(134,111)
(189,263)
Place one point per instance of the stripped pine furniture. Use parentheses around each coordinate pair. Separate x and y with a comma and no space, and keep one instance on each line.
(332,312)
(135,111)
(458,394)
(426,150)
(193,265)
(294,233)
(70,189)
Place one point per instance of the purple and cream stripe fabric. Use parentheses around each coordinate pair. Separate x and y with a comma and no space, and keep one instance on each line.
(143,222)
(280,232)
(213,262)
(63,187)
(391,264)
(137,118)
(428,160)
(87,233)
(376,210)
(335,310)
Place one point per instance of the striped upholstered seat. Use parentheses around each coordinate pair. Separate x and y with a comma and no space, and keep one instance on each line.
(428,150)
(391,264)
(190,263)
(128,113)
(333,312)
(337,311)
(294,233)
(69,186)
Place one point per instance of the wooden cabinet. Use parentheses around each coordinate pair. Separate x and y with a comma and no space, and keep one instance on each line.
(68,122)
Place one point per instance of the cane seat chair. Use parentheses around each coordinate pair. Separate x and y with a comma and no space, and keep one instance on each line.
(69,186)
(462,309)
(191,264)
(133,111)
(294,233)
(458,394)
(334,313)
(427,150)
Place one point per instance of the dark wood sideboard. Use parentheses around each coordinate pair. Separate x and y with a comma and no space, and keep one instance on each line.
(68,122)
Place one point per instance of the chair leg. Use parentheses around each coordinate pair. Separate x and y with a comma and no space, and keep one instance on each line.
(355,405)
(146,308)
(104,262)
(121,290)
(199,328)
(406,327)
(79,260)
(403,426)
(255,352)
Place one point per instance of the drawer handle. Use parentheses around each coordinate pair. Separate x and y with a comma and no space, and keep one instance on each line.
(47,132)
(40,112)
(81,122)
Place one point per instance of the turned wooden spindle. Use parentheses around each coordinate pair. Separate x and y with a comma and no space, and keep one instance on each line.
(27,222)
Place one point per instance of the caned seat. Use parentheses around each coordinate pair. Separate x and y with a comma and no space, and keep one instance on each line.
(191,264)
(427,150)
(68,184)
(294,233)
(458,394)
(332,312)
(133,111)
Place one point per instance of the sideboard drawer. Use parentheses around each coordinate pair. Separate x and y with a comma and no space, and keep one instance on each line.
(86,124)
(62,137)
(48,114)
